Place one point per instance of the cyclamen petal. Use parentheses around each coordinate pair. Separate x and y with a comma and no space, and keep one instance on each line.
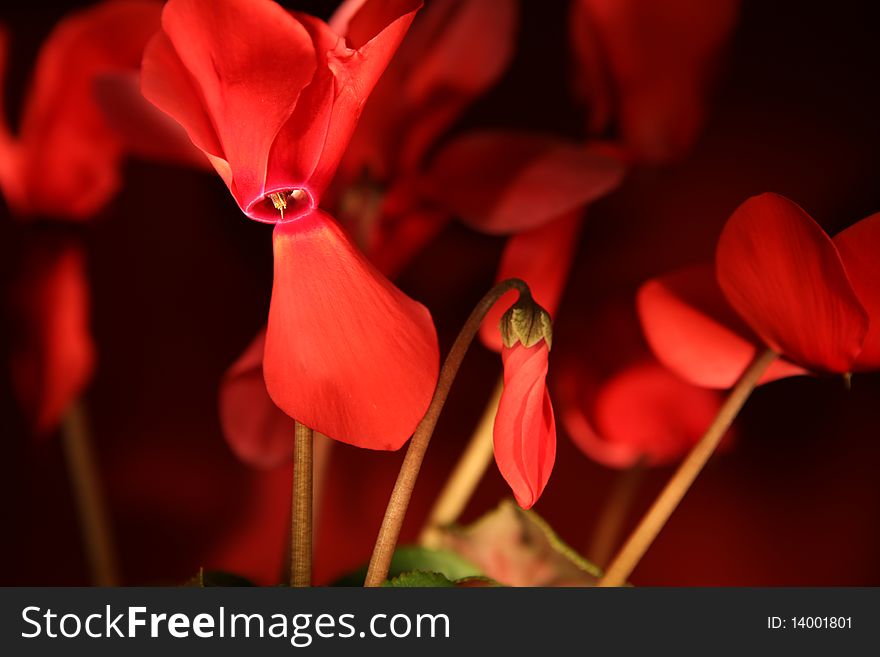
(257,430)
(347,353)
(694,332)
(783,275)
(525,429)
(274,107)
(859,246)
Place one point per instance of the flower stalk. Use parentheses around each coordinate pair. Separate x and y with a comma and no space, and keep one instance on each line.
(89,497)
(395,513)
(655,519)
(301,521)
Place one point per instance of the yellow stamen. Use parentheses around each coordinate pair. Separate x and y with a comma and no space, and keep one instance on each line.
(279,200)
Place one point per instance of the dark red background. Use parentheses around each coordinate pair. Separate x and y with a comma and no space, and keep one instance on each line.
(181,283)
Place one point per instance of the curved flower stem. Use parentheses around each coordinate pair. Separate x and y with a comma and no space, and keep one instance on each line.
(466,476)
(614,513)
(380,562)
(654,520)
(301,521)
(91,505)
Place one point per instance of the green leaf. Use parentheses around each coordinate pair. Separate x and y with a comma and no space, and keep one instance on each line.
(413,558)
(212,578)
(419,579)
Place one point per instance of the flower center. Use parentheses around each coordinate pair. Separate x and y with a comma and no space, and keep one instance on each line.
(294,198)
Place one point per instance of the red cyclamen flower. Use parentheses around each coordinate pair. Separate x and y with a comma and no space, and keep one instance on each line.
(780,280)
(346,353)
(525,429)
(64,161)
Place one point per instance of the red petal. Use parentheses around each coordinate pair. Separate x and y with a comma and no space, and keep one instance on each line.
(256,429)
(67,155)
(145,130)
(236,61)
(313,140)
(448,58)
(502,182)
(347,353)
(525,430)
(695,333)
(784,276)
(542,258)
(859,246)
(54,355)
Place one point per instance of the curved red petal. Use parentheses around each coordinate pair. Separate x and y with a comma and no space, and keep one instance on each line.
(525,429)
(257,430)
(783,275)
(313,140)
(347,353)
(67,155)
(694,332)
(859,246)
(448,58)
(236,60)
(541,257)
(54,355)
(502,182)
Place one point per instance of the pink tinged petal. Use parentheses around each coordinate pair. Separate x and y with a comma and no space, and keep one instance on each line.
(859,247)
(783,275)
(10,179)
(313,140)
(145,131)
(259,432)
(694,332)
(500,182)
(54,355)
(525,429)
(347,353)
(541,257)
(241,64)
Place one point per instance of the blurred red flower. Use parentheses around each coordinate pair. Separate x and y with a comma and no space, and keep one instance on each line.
(617,403)
(64,161)
(780,281)
(54,354)
(644,67)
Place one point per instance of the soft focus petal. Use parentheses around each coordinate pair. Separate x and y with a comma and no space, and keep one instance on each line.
(449,57)
(542,258)
(642,413)
(67,154)
(694,332)
(145,130)
(658,58)
(53,355)
(783,275)
(347,353)
(525,429)
(500,182)
(859,247)
(256,429)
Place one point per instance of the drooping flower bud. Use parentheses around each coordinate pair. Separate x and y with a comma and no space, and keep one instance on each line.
(525,428)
